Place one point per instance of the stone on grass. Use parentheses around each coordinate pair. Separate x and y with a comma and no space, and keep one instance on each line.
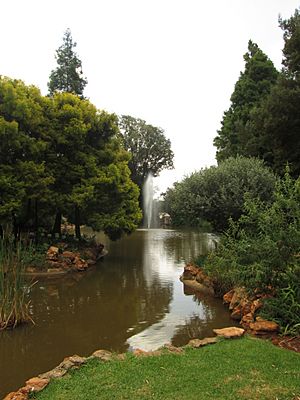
(103,355)
(261,326)
(231,332)
(36,384)
(173,349)
(202,342)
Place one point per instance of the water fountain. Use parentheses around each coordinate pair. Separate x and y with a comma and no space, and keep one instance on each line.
(148,201)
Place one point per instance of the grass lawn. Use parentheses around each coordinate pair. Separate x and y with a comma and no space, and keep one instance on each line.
(245,368)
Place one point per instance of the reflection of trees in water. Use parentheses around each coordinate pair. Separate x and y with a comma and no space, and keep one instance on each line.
(84,312)
(188,245)
(213,315)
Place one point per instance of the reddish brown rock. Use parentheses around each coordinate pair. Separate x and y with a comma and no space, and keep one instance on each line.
(237,313)
(247,319)
(228,297)
(142,353)
(54,373)
(256,305)
(229,332)
(190,272)
(239,296)
(52,253)
(202,342)
(261,326)
(69,255)
(36,384)
(16,396)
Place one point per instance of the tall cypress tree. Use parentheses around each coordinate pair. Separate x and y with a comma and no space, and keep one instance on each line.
(253,85)
(68,76)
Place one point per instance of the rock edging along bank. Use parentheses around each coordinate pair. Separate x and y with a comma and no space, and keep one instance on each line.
(242,306)
(38,383)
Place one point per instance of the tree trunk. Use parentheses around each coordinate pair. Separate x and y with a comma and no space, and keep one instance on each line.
(77,222)
(1,232)
(57,224)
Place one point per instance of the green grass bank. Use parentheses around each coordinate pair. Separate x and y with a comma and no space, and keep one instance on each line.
(246,368)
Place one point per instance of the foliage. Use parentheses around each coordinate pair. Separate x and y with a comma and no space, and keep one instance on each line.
(67,77)
(150,150)
(262,372)
(217,193)
(261,252)
(14,307)
(253,85)
(274,126)
(291,52)
(61,156)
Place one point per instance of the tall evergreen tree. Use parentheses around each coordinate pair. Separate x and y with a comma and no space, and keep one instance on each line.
(67,77)
(253,85)
(275,125)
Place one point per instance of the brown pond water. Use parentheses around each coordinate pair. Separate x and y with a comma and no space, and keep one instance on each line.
(132,299)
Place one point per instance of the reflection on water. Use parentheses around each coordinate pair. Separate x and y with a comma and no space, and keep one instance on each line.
(132,298)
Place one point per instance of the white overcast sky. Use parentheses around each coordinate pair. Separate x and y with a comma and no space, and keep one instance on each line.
(173,63)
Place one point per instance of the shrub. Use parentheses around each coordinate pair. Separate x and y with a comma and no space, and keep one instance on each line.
(217,194)
(261,251)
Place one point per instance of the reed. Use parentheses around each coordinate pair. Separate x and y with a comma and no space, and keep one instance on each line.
(14,305)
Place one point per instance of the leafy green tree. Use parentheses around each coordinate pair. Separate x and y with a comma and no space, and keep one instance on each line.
(92,184)
(150,150)
(253,85)
(67,77)
(274,126)
(24,181)
(217,194)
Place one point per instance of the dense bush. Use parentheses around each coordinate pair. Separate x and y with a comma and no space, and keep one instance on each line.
(217,193)
(261,251)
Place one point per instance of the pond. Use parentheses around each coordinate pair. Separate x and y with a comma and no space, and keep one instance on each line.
(133,298)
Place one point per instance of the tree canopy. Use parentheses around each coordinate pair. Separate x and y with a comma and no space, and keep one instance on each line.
(150,150)
(253,85)
(68,76)
(62,156)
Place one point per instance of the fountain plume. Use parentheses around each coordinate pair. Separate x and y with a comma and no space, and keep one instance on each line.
(148,200)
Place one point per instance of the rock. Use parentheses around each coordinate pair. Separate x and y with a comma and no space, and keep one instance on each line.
(54,373)
(103,355)
(91,262)
(36,384)
(239,296)
(261,326)
(72,362)
(52,253)
(228,297)
(80,264)
(190,272)
(229,332)
(69,255)
(142,353)
(202,342)
(199,287)
(247,319)
(237,313)
(16,396)
(173,349)
(256,305)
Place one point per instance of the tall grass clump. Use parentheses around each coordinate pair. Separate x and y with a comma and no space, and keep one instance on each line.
(14,306)
(261,252)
